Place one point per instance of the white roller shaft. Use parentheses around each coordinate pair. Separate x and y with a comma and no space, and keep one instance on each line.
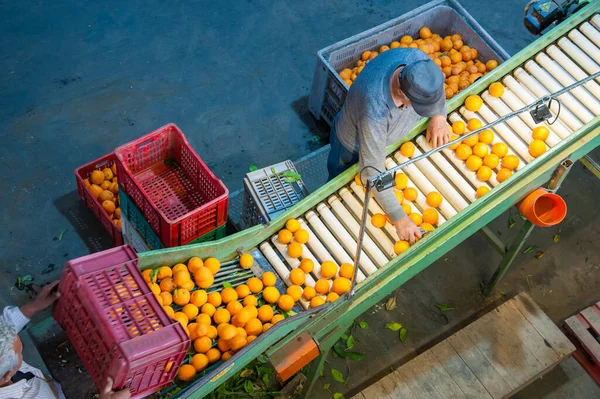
(515,144)
(339,231)
(573,69)
(515,103)
(553,86)
(585,45)
(373,208)
(339,208)
(538,90)
(456,178)
(279,267)
(596,21)
(579,56)
(293,262)
(591,33)
(418,181)
(327,238)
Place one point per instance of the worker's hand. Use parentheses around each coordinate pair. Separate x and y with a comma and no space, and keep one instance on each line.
(407,230)
(108,393)
(437,131)
(47,296)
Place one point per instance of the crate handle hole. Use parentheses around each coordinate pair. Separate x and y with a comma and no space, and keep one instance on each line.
(145,143)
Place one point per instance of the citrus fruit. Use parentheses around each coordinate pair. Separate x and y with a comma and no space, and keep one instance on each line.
(332,297)
(167,298)
(164,272)
(159,299)
(146,274)
(181,278)
(407,208)
(481,149)
(181,318)
(491,160)
(309,293)
(268,279)
(510,162)
(307,265)
(254,284)
(297,276)
(221,316)
(214,298)
(474,163)
(228,294)
(270,294)
(427,226)
(458,127)
(202,344)
(430,215)
(540,133)
(213,265)
(341,285)
(223,344)
(167,285)
(193,264)
(484,173)
(357,180)
(228,354)
(496,89)
(407,149)
(285,236)
(169,311)
(186,372)
(227,332)
(204,319)
(208,309)
(424,33)
(463,152)
(378,220)
(294,250)
(242,290)
(181,296)
(201,329)
(481,191)
(254,327)
(199,361)
(292,225)
(346,270)
(416,218)
(434,199)
(474,124)
(191,311)
(178,267)
(486,136)
(317,301)
(277,318)
(213,355)
(285,302)
(108,173)
(250,300)
(295,291)
(96,177)
(473,103)
(410,194)
(301,236)
(155,288)
(503,174)
(252,311)
(265,313)
(500,149)
(471,140)
(401,246)
(238,342)
(322,286)
(246,261)
(491,64)
(106,196)
(234,307)
(206,283)
(537,148)
(328,269)
(96,190)
(401,181)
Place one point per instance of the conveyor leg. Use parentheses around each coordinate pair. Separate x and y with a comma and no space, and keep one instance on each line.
(510,256)
(592,165)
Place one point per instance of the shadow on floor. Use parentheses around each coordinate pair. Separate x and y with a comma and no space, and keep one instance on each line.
(318,127)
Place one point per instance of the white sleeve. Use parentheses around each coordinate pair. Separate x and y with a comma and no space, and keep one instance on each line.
(14,316)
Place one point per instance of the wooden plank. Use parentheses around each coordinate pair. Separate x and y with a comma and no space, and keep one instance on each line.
(459,371)
(584,336)
(524,331)
(376,391)
(542,323)
(479,365)
(592,316)
(396,387)
(438,376)
(359,396)
(417,382)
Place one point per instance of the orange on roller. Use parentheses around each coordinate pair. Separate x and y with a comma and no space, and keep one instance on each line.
(486,137)
(399,195)
(537,148)
(540,133)
(473,103)
(434,199)
(250,300)
(452,138)
(332,297)
(228,332)
(410,194)
(407,149)
(427,226)
(484,173)
(430,215)
(407,208)
(242,290)
(307,265)
(471,140)
(341,285)
(317,301)
(295,291)
(510,162)
(346,270)
(213,265)
(328,269)
(297,276)
(285,236)
(463,152)
(270,294)
(294,250)
(418,219)
(474,124)
(500,149)
(458,127)
(401,181)
(193,264)
(481,150)
(301,236)
(378,220)
(292,225)
(186,372)
(474,163)
(481,191)
(504,174)
(285,302)
(234,307)
(496,89)
(255,284)
(491,161)
(265,313)
(322,286)
(228,294)
(401,246)
(309,293)
(246,261)
(268,279)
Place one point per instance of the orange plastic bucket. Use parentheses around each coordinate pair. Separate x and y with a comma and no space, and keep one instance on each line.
(542,208)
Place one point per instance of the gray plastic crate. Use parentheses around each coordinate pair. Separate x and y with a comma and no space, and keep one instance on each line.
(267,194)
(441,16)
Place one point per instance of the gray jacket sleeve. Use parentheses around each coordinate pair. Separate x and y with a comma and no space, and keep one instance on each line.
(372,137)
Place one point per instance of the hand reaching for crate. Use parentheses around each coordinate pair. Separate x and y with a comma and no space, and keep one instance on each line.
(108,393)
(47,296)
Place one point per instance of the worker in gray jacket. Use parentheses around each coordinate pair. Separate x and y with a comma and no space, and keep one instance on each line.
(383,104)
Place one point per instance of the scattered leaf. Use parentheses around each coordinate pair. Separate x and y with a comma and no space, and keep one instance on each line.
(344,337)
(337,375)
(539,254)
(393,326)
(316,139)
(403,334)
(530,249)
(355,355)
(266,379)
(252,168)
(289,313)
(443,307)
(262,358)
(350,342)
(364,325)
(60,235)
(326,386)
(227,285)
(248,386)
(289,176)
(337,350)
(556,238)
(523,217)
(337,395)
(511,222)
(246,372)
(445,259)
(502,296)
(499,233)
(273,171)
(391,303)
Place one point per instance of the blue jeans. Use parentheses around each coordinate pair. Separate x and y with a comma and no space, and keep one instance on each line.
(339,158)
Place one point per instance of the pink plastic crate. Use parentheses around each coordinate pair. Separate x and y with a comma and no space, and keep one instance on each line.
(83,172)
(178,194)
(116,324)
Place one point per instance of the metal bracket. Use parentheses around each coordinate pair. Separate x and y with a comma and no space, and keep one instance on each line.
(559,175)
(591,164)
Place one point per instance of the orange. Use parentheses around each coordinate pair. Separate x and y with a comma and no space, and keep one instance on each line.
(228,294)
(401,181)
(407,149)
(192,328)
(427,227)
(213,265)
(537,148)
(191,311)
(510,162)
(186,372)
(285,302)
(345,73)
(294,250)
(181,278)
(202,344)
(474,124)
(491,64)
(292,225)
(109,207)
(406,39)
(285,236)
(159,299)
(167,298)
(471,140)
(496,89)
(155,288)
(277,318)
(328,269)
(204,319)
(268,279)
(252,311)
(463,152)
(167,285)
(108,173)
(491,160)
(222,316)
(106,185)
(189,285)
(202,329)
(424,33)
(484,173)
(458,127)
(246,261)
(208,309)
(223,345)
(238,342)
(106,196)
(434,199)
(295,291)
(447,44)
(365,56)
(253,327)
(474,163)
(297,276)
(410,194)
(500,149)
(270,294)
(430,215)
(234,307)
(341,285)
(194,264)
(322,286)
(504,174)
(242,290)
(169,311)
(265,313)
(241,332)
(332,297)
(96,177)
(251,338)
(227,332)
(250,300)
(181,296)
(346,270)
(254,284)
(357,180)
(378,220)
(181,318)
(394,44)
(473,102)
(309,293)
(317,301)
(307,265)
(164,272)
(301,236)
(481,191)
(205,283)
(407,208)
(418,219)
(117,215)
(227,355)
(146,275)
(213,355)
(199,361)
(481,149)
(178,267)
(214,298)
(96,190)
(540,133)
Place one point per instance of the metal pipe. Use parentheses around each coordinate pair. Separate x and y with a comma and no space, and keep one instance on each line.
(361,236)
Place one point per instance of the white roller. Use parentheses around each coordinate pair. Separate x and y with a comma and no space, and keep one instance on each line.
(596,21)
(418,181)
(459,181)
(339,231)
(538,90)
(292,262)
(553,86)
(579,56)
(585,45)
(373,208)
(279,267)
(380,239)
(327,238)
(590,32)
(574,70)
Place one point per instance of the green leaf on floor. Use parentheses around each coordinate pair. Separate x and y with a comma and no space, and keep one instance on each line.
(252,168)
(391,303)
(248,386)
(364,325)
(556,238)
(262,358)
(266,379)
(444,307)
(393,326)
(403,334)
(539,254)
(60,235)
(337,350)
(337,375)
(315,139)
(350,342)
(530,249)
(290,176)
(355,355)
(338,395)
(344,337)
(227,284)
(511,222)
(246,372)
(502,296)
(326,386)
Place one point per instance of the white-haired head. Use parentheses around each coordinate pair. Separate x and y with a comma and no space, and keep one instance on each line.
(10,352)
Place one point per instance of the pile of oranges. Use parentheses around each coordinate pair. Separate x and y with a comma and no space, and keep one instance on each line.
(458,62)
(103,186)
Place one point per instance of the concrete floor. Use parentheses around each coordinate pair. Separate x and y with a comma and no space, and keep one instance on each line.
(79,79)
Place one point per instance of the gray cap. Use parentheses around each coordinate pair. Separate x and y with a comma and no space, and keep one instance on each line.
(423,84)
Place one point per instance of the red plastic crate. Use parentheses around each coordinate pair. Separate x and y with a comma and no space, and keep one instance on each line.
(178,194)
(83,172)
(116,325)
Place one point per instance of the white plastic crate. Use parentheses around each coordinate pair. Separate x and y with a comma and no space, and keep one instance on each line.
(444,17)
(132,237)
(267,194)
